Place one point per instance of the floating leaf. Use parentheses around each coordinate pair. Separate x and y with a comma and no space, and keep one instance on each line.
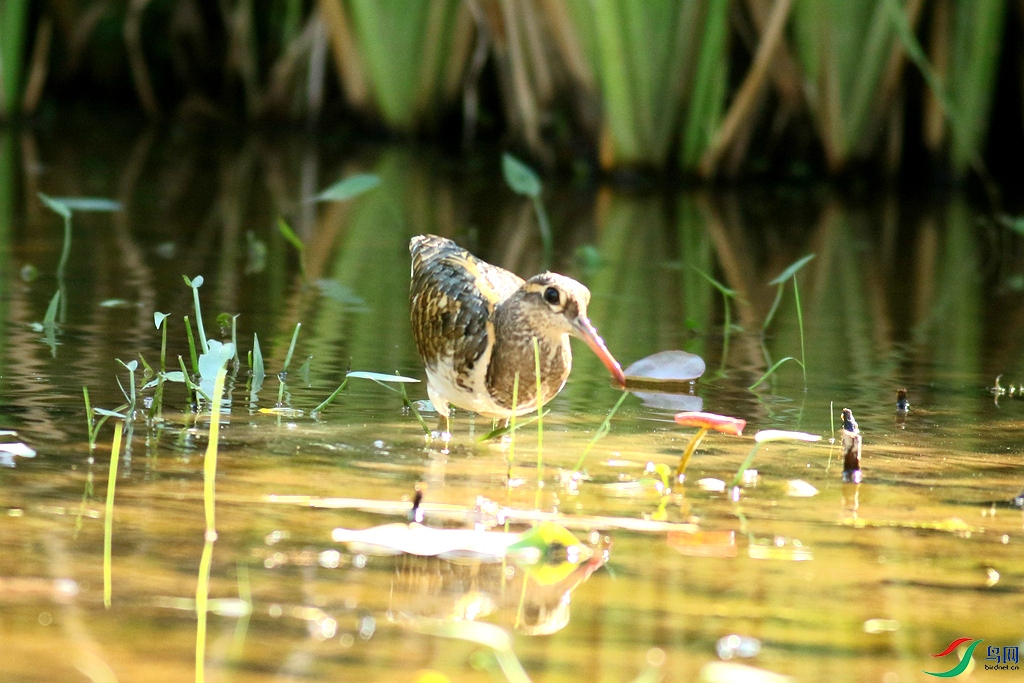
(348,188)
(798,488)
(665,371)
(520,177)
(782,434)
(791,270)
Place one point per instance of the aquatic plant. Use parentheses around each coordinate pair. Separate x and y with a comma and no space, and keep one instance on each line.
(704,422)
(108,515)
(766,436)
(780,282)
(209,508)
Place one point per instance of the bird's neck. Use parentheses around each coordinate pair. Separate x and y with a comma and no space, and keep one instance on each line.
(514,354)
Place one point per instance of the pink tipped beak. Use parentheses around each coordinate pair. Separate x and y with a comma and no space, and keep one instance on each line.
(585,331)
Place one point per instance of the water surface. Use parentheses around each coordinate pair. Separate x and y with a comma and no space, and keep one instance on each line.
(860,582)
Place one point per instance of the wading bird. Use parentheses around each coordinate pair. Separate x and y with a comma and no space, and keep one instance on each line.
(475,326)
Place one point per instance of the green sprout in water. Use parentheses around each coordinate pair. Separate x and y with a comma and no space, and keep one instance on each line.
(786,275)
(764,436)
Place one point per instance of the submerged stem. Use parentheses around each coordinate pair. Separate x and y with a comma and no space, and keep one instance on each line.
(108,517)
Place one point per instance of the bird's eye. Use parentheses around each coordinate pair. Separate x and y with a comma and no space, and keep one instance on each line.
(552,296)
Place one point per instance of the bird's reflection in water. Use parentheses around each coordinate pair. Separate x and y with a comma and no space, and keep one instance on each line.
(533,600)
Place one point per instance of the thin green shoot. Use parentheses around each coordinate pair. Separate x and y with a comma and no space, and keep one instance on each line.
(283,376)
(192,386)
(108,518)
(62,210)
(90,423)
(209,506)
(291,347)
(727,296)
(234,338)
(258,368)
(800,326)
(50,322)
(602,431)
(540,423)
(502,431)
(330,399)
(786,275)
(160,320)
(738,478)
(386,381)
(293,239)
(210,463)
(412,408)
(131,366)
(772,370)
(191,345)
(195,284)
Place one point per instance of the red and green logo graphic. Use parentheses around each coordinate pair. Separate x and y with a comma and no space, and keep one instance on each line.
(961,666)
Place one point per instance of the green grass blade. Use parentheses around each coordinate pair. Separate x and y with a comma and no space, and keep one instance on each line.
(772,369)
(343,190)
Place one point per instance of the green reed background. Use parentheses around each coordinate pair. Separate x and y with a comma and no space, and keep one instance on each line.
(712,87)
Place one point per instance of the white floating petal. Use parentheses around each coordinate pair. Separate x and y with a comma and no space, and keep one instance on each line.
(780,434)
(18,449)
(798,488)
(711,484)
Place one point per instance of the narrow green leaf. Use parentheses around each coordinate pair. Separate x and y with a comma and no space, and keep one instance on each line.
(520,177)
(380,377)
(87,203)
(348,188)
(50,318)
(56,205)
(772,369)
(289,234)
(792,270)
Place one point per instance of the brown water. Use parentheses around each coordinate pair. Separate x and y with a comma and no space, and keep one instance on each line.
(857,583)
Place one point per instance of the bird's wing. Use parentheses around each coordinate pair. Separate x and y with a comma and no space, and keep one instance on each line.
(452,297)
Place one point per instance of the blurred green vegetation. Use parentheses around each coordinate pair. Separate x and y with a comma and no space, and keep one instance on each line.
(714,87)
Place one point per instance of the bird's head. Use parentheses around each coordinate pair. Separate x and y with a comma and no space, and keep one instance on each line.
(555,305)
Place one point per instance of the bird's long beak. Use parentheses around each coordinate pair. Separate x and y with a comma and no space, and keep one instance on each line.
(585,331)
